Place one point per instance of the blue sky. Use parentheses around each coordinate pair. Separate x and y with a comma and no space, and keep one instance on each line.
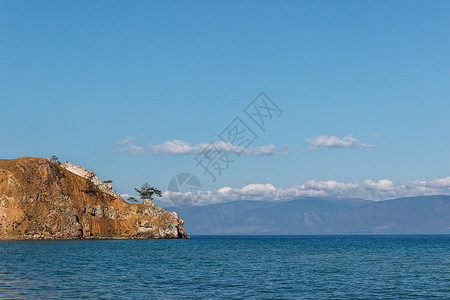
(77,78)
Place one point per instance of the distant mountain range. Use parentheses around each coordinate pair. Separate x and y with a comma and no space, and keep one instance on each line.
(425,214)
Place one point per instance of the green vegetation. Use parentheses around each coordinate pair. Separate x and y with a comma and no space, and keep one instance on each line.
(90,188)
(132,199)
(147,192)
(55,159)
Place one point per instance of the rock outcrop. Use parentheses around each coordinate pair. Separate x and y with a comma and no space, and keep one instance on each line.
(42,199)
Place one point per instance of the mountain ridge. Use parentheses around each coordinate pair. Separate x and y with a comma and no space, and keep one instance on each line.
(423,214)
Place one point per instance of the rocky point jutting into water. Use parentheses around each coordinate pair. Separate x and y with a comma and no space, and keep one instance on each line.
(43,199)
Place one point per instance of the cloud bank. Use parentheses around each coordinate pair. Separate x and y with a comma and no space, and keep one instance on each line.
(382,189)
(183,148)
(324,141)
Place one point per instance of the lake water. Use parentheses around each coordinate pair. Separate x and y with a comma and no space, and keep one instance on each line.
(259,267)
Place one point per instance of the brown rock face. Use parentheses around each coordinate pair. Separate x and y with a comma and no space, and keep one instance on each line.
(39,199)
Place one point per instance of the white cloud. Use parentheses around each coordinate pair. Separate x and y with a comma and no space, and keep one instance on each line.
(431,187)
(180,147)
(314,188)
(258,189)
(127,146)
(125,141)
(383,189)
(335,142)
(183,148)
(268,192)
(174,147)
(224,190)
(253,191)
(381,185)
(136,149)
(126,195)
(436,183)
(265,150)
(329,185)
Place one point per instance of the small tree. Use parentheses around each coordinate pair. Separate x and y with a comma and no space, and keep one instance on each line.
(147,192)
(55,159)
(132,199)
(90,186)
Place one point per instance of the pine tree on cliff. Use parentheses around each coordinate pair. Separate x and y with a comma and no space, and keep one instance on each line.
(55,159)
(147,192)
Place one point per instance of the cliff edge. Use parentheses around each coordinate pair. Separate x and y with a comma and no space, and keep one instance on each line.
(43,199)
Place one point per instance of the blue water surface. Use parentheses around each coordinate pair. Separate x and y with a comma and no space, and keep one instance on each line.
(259,267)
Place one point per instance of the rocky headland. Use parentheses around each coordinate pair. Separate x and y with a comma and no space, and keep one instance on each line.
(44,199)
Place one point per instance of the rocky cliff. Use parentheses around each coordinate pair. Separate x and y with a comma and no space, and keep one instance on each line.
(42,199)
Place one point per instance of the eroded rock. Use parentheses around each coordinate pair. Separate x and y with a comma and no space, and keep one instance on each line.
(41,199)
